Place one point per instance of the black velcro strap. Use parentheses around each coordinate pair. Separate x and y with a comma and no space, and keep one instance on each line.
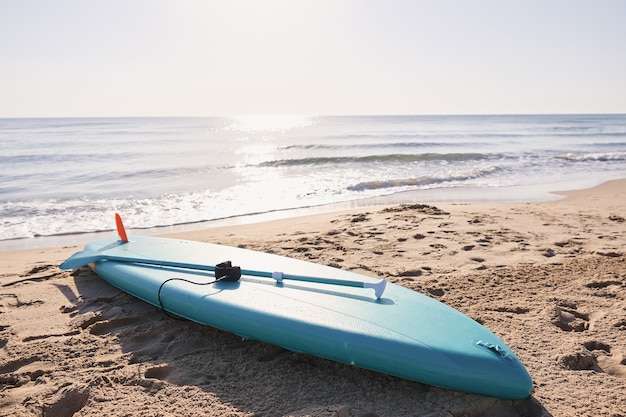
(225,271)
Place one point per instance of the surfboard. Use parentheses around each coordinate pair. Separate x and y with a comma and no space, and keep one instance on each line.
(313,309)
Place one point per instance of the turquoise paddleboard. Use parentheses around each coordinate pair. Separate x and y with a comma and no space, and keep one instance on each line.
(314,309)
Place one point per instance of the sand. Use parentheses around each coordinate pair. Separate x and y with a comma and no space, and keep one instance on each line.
(548,278)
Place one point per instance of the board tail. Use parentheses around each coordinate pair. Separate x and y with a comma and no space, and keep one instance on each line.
(121,231)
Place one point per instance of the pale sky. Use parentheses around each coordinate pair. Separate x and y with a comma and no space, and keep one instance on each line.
(62,58)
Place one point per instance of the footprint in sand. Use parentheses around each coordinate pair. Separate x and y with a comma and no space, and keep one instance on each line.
(67,401)
(3,338)
(599,357)
(585,360)
(570,320)
(100,327)
(36,274)
(621,324)
(14,366)
(581,361)
(613,364)
(609,360)
(17,373)
(176,376)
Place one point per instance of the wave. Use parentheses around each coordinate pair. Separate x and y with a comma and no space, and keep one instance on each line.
(594,157)
(419,181)
(56,158)
(452,138)
(404,158)
(382,184)
(368,145)
(608,145)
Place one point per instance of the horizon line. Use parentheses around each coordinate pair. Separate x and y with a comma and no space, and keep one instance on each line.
(240,115)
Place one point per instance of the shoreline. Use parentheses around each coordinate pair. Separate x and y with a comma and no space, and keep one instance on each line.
(548,277)
(507,194)
(65,245)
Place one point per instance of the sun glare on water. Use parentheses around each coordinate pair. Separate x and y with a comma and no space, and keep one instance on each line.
(269,122)
(256,153)
(259,136)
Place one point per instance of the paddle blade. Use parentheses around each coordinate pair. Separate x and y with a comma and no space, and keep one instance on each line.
(121,231)
(81,259)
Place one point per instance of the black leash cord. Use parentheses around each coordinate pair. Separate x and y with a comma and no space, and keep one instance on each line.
(167,313)
(224,271)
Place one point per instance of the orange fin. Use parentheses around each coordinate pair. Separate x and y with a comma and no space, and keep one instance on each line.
(121,231)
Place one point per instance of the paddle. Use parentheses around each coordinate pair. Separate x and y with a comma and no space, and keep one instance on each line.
(86,257)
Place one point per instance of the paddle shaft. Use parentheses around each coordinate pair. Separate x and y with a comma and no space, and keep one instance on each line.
(86,257)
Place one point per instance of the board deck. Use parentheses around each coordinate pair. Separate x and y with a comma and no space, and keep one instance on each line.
(402,333)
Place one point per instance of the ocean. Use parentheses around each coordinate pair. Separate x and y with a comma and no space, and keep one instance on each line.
(68,176)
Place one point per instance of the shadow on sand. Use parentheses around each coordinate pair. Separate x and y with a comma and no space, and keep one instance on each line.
(179,365)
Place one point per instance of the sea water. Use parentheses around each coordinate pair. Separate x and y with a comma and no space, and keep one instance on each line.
(69,176)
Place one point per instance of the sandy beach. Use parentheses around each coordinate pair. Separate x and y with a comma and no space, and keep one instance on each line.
(549,278)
